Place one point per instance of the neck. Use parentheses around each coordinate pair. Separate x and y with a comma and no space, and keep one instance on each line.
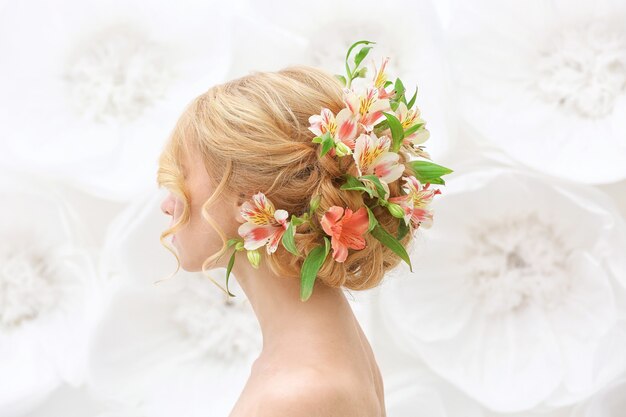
(285,320)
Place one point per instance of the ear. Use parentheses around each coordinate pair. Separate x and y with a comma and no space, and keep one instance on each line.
(240,200)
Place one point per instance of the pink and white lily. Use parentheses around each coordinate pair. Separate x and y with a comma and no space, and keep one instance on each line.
(380,78)
(422,196)
(372,156)
(369,107)
(264,224)
(342,128)
(409,118)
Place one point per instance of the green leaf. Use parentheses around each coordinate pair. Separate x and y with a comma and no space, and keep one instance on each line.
(288,240)
(426,171)
(403,228)
(310,267)
(380,190)
(412,129)
(399,87)
(394,104)
(437,181)
(326,147)
(412,101)
(392,243)
(327,143)
(387,83)
(360,56)
(382,125)
(362,73)
(232,241)
(353,183)
(348,72)
(231,262)
(341,79)
(397,131)
(372,219)
(297,221)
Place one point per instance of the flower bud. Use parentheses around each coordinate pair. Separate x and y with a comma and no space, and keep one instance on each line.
(315,202)
(254,257)
(395,210)
(342,149)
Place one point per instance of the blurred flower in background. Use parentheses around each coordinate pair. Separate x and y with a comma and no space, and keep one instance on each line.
(545,81)
(49,294)
(92,89)
(516,299)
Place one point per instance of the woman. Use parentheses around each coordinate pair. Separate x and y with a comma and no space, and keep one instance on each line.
(252,134)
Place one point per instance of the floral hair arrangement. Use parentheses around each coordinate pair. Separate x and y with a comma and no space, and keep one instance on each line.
(375,123)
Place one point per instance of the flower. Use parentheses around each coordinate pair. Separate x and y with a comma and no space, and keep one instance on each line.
(49,295)
(121,80)
(264,224)
(372,156)
(342,128)
(551,82)
(409,118)
(346,229)
(518,302)
(368,106)
(416,203)
(380,78)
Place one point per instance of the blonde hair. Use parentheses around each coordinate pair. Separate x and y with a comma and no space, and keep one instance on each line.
(252,134)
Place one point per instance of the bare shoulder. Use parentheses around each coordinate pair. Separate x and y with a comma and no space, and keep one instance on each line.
(308,393)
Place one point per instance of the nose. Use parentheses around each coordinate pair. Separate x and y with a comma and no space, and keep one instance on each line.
(167,206)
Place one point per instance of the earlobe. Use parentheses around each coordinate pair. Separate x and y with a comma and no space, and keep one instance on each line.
(240,202)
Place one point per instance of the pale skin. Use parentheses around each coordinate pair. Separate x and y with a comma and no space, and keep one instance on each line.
(315,360)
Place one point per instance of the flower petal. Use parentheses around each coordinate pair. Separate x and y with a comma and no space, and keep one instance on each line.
(330,219)
(275,240)
(340,251)
(254,235)
(260,211)
(346,125)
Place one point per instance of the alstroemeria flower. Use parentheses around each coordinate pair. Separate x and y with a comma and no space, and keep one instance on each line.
(372,156)
(346,229)
(264,224)
(342,128)
(380,78)
(369,106)
(422,196)
(410,118)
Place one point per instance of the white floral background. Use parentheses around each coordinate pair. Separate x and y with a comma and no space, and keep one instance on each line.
(517,304)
